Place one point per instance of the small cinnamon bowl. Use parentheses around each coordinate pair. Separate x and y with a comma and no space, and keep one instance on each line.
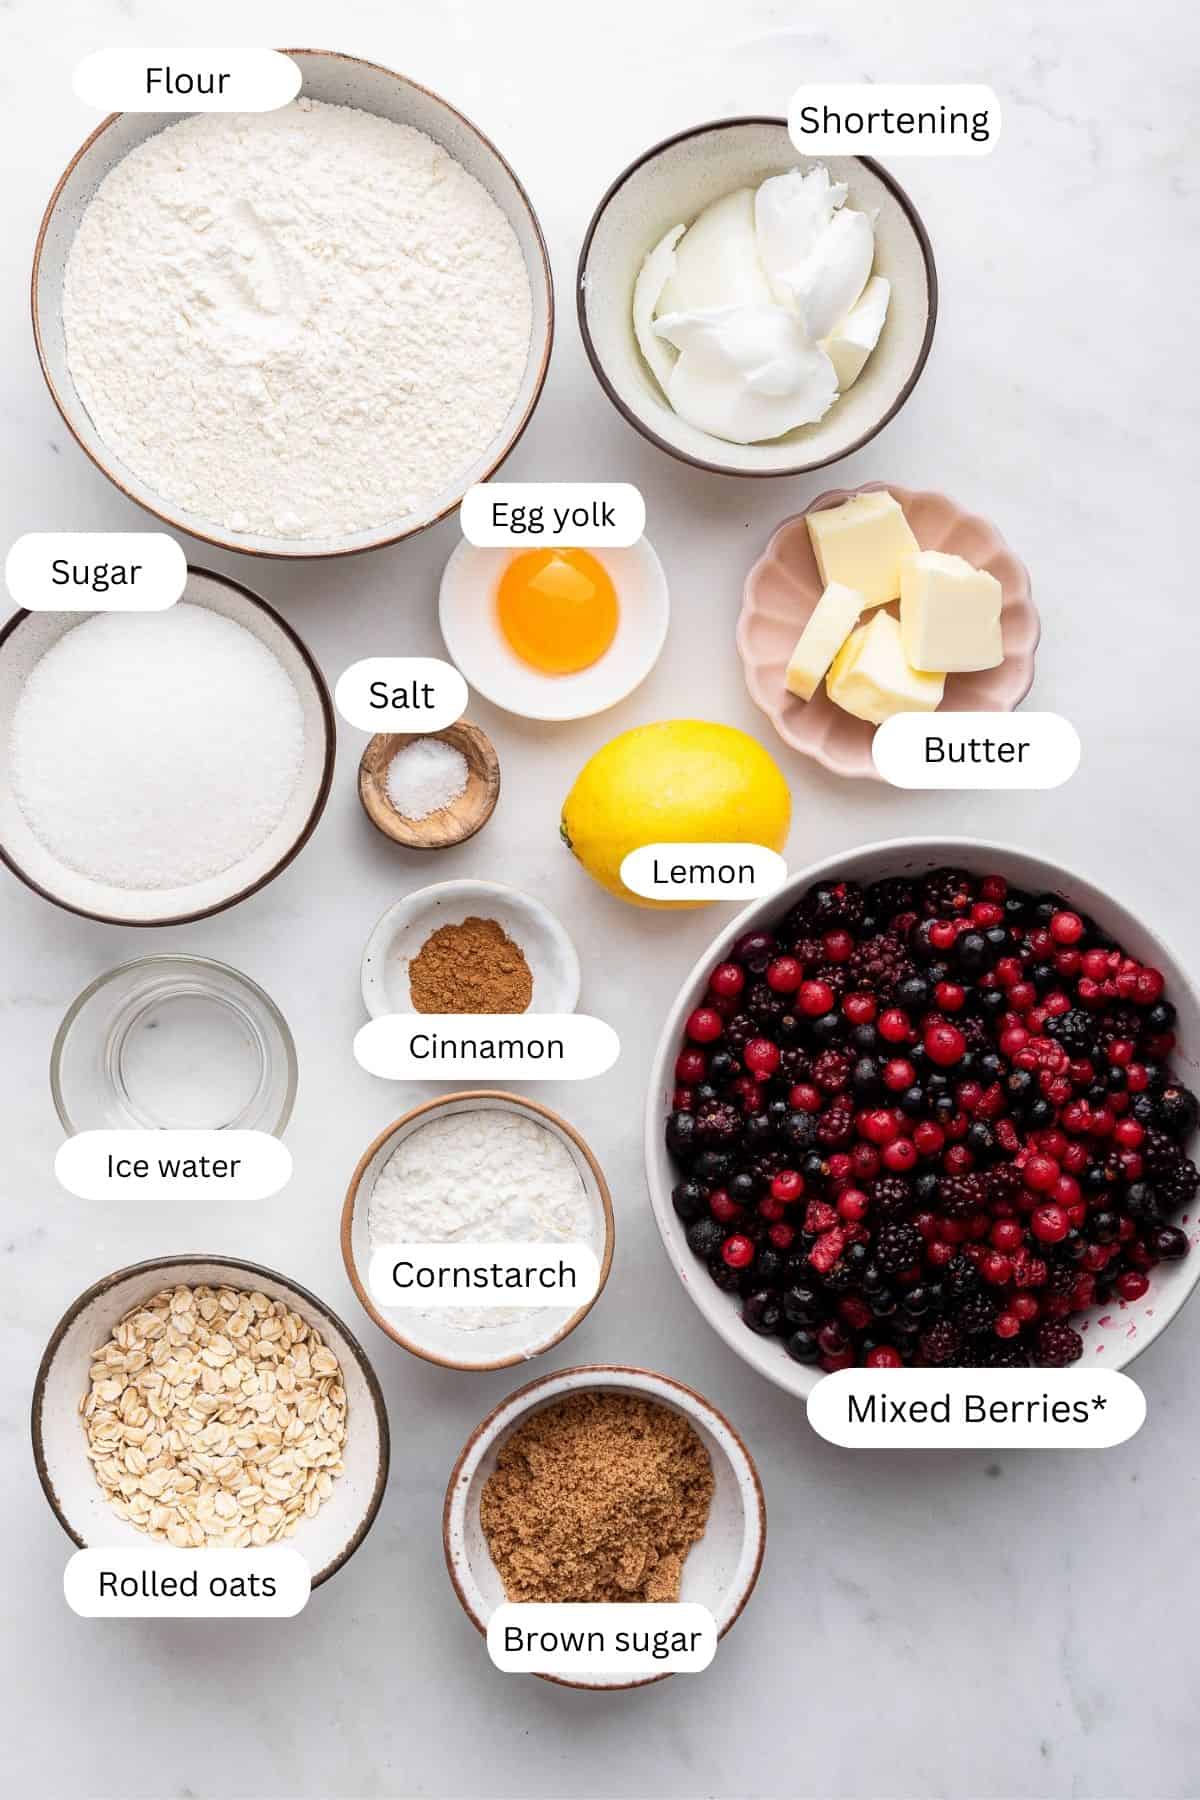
(720,1570)
(428,1334)
(449,825)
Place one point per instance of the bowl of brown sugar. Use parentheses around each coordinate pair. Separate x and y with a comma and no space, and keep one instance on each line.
(469,947)
(603,1484)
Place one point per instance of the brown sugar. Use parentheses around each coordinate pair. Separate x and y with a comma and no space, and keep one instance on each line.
(599,1497)
(470,968)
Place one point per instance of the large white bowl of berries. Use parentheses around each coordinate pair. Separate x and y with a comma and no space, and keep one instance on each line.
(930,1104)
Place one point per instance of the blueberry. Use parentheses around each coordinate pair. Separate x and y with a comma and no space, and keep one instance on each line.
(802,1347)
(913,1102)
(972,952)
(1177,1110)
(800,1130)
(762,1312)
(865,1079)
(802,1304)
(681,1134)
(689,1198)
(1169,1243)
(705,1237)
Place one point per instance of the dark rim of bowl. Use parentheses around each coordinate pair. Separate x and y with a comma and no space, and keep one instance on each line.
(600,1371)
(227,543)
(310,824)
(193,1260)
(639,424)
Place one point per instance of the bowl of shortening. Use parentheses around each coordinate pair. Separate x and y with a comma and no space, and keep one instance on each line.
(295,1450)
(477,1167)
(753,311)
(909,1003)
(295,333)
(158,767)
(604,1483)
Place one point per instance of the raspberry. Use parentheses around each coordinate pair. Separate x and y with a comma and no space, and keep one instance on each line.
(831,1071)
(1056,1346)
(836,1125)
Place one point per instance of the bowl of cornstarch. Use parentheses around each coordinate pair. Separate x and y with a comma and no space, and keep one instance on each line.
(296,333)
(156,767)
(473,1181)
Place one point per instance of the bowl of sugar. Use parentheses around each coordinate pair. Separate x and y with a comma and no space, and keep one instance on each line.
(156,767)
(296,333)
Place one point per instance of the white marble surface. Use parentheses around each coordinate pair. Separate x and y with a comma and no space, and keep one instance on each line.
(1016,1625)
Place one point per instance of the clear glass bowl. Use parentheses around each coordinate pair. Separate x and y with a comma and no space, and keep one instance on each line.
(173,1041)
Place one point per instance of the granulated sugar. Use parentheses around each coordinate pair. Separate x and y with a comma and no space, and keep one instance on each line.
(154,750)
(304,323)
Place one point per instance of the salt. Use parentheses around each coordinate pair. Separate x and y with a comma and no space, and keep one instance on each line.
(425,776)
(156,750)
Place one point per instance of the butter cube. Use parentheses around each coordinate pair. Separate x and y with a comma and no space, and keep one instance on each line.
(872,679)
(861,544)
(949,614)
(834,618)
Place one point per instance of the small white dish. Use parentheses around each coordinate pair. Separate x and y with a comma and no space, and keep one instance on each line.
(472,635)
(404,927)
(430,1335)
(671,184)
(720,1570)
(60,1446)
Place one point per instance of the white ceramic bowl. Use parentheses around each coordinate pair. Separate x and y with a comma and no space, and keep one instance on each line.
(670,185)
(341,81)
(427,1335)
(472,635)
(1113,1334)
(404,927)
(59,1445)
(26,639)
(720,1570)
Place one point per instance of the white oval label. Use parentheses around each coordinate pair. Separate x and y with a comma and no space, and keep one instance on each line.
(187,81)
(96,571)
(976,1409)
(504,1046)
(401,693)
(976,750)
(164,1583)
(461,1275)
(703,871)
(173,1165)
(602,1638)
(895,118)
(609,513)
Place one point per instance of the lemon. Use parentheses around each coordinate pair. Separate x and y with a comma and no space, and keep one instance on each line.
(681,781)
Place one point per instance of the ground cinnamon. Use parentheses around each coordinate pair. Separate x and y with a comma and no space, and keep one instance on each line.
(470,968)
(598,1497)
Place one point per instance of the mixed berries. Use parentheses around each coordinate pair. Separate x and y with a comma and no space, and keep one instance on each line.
(930,1122)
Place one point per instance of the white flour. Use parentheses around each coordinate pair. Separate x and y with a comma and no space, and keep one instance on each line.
(479,1177)
(303,323)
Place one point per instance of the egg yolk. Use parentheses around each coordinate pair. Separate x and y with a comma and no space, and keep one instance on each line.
(558,609)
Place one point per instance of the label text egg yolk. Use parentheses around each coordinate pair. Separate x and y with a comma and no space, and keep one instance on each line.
(557,609)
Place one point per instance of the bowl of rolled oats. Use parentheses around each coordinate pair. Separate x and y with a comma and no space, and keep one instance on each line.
(204,1402)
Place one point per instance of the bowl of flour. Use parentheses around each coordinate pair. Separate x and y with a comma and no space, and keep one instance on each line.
(297,333)
(156,767)
(480,1167)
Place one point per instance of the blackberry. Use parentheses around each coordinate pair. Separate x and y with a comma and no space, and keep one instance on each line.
(961,1277)
(834,903)
(897,1247)
(835,1125)
(879,965)
(831,1071)
(1003,1182)
(833,974)
(1057,1345)
(961,1195)
(1161,1155)
(941,1343)
(892,1197)
(839,1278)
(1075,1031)
(764,1004)
(891,896)
(718,1124)
(1178,1187)
(1002,1354)
(976,1315)
(740,1029)
(945,893)
(794,1064)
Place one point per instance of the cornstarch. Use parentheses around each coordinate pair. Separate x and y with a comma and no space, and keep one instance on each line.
(303,323)
(479,1177)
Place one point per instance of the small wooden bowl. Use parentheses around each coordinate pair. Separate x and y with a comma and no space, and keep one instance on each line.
(452,824)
